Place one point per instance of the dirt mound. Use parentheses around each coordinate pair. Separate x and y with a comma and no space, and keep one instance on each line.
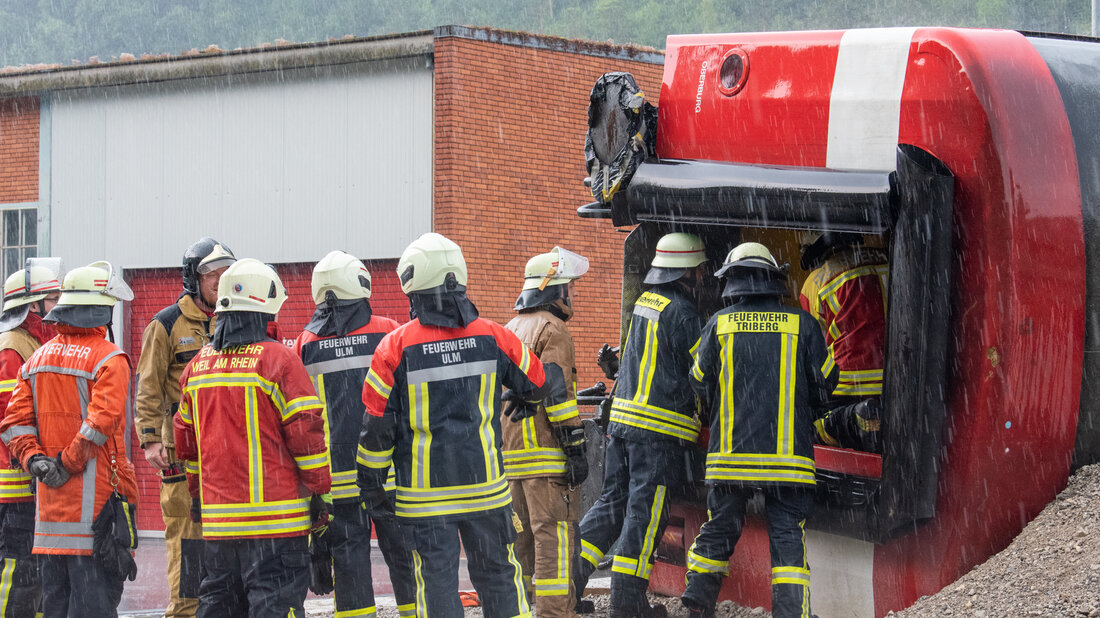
(1051,569)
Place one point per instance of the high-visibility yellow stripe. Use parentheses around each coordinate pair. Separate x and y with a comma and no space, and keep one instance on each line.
(725,394)
(591,553)
(487,408)
(350,613)
(564,555)
(373,459)
(649,362)
(379,386)
(562,412)
(830,363)
(701,564)
(255,454)
(522,608)
(788,366)
(407,610)
(311,462)
(649,544)
(5,584)
(527,426)
(421,588)
(7,386)
(300,404)
(422,434)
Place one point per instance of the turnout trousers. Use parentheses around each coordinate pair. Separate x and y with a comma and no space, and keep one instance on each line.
(632,508)
(20,586)
(350,532)
(395,551)
(183,541)
(488,538)
(258,578)
(547,509)
(785,509)
(78,587)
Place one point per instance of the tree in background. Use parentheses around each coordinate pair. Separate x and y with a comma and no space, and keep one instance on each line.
(59,31)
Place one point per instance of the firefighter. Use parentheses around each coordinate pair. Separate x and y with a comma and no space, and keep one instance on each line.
(433,407)
(29,294)
(250,432)
(172,338)
(544,455)
(764,373)
(66,424)
(846,294)
(336,347)
(652,422)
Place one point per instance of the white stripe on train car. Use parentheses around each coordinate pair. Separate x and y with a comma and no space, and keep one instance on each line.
(865,106)
(841,575)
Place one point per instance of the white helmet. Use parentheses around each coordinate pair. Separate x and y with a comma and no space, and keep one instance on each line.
(428,261)
(558,267)
(749,255)
(343,275)
(250,285)
(33,282)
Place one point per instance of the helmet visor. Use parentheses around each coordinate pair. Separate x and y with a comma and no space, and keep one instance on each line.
(570,265)
(219,258)
(116,288)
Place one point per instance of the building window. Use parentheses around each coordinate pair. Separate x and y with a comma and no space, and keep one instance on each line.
(20,237)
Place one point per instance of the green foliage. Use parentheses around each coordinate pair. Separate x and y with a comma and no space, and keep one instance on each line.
(60,31)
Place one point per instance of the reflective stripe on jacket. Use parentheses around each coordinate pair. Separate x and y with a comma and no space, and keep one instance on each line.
(847,296)
(767,374)
(652,396)
(433,410)
(531,449)
(250,427)
(16,346)
(173,337)
(73,397)
(338,365)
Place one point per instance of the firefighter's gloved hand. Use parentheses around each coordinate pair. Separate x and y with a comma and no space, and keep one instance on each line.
(517,408)
(196,510)
(377,502)
(573,444)
(320,564)
(608,360)
(319,514)
(48,470)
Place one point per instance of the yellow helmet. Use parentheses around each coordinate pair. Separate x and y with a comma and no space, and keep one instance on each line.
(342,274)
(95,284)
(676,254)
(558,267)
(250,285)
(429,261)
(33,282)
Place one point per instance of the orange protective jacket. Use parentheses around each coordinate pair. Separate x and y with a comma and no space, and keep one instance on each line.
(252,438)
(16,346)
(73,397)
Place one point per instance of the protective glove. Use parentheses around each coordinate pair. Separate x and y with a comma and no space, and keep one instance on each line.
(319,514)
(114,535)
(320,564)
(517,408)
(608,360)
(377,502)
(196,510)
(573,444)
(49,471)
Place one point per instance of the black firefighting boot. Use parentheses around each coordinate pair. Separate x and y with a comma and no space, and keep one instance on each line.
(584,606)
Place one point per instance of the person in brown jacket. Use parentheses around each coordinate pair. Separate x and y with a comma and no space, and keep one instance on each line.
(544,454)
(170,341)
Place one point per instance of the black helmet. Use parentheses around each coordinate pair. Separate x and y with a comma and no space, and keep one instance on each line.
(191,259)
(814,253)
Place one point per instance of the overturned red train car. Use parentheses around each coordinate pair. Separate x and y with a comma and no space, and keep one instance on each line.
(974,157)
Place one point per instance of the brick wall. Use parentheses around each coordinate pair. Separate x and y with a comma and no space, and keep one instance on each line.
(510,123)
(19,150)
(156,288)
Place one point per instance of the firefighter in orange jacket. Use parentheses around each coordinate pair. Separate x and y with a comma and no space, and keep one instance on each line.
(251,434)
(336,347)
(29,294)
(433,411)
(66,423)
(544,455)
(170,340)
(846,294)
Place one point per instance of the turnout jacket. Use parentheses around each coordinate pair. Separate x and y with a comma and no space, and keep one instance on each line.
(16,346)
(73,397)
(531,448)
(338,365)
(652,397)
(250,431)
(847,296)
(766,373)
(170,341)
(433,410)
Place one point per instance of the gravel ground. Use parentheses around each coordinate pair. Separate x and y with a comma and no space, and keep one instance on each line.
(1051,569)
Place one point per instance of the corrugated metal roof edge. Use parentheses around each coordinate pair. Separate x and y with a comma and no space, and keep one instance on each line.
(554,43)
(220,63)
(217,62)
